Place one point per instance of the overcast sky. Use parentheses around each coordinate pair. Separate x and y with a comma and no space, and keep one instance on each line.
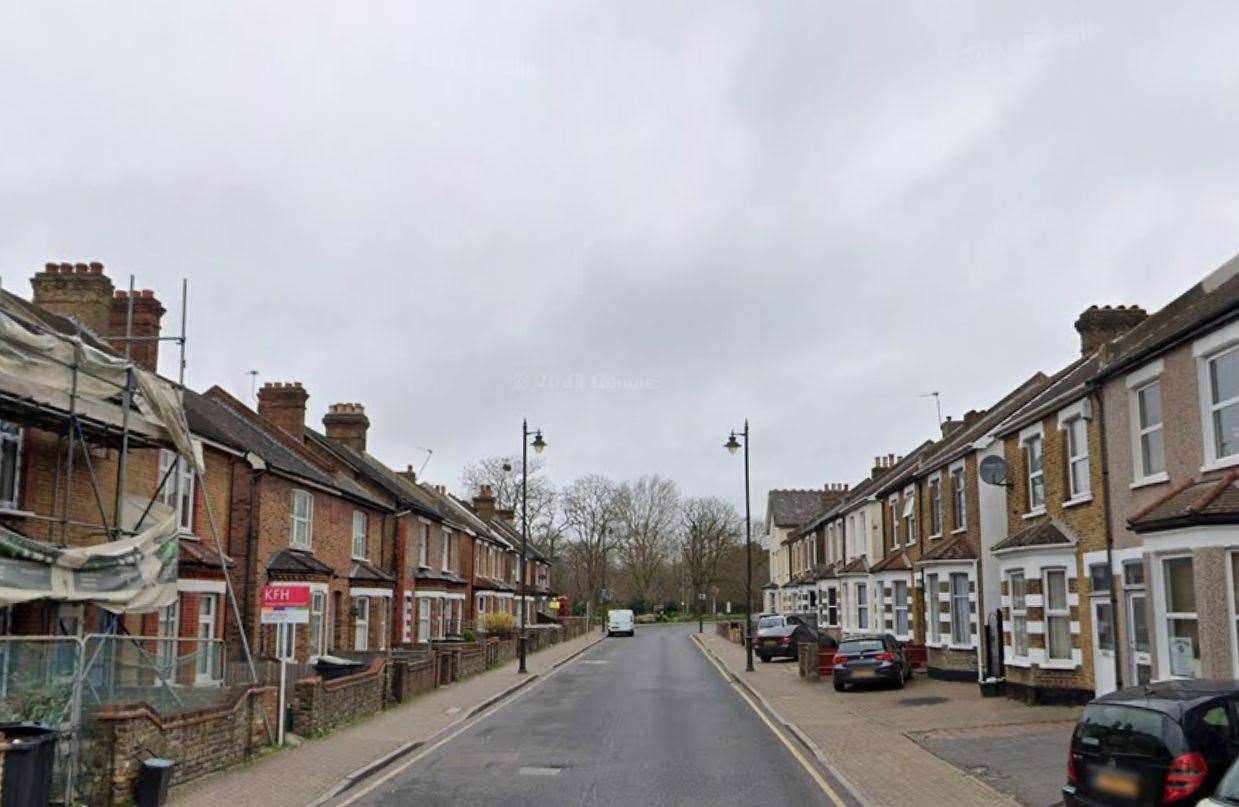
(634,223)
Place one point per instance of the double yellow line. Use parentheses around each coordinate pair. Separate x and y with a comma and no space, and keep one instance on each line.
(804,762)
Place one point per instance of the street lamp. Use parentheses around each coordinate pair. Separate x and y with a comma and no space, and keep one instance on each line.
(538,446)
(733,445)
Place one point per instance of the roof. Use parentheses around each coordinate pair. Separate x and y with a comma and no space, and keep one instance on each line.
(406,493)
(1206,304)
(1043,533)
(1212,500)
(438,574)
(295,562)
(368,572)
(1067,385)
(957,547)
(895,561)
(960,442)
(791,508)
(857,565)
(225,423)
(1174,697)
(903,471)
(67,326)
(194,553)
(827,571)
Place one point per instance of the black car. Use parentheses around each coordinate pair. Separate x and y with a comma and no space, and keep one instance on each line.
(877,658)
(780,636)
(1163,743)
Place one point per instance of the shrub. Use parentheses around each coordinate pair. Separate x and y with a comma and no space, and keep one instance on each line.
(498,623)
(467,635)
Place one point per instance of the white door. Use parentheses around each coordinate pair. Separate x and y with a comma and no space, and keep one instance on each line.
(361,623)
(208,648)
(1139,654)
(423,619)
(1103,646)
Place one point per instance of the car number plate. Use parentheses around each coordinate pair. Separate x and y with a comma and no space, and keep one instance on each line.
(863,672)
(1119,784)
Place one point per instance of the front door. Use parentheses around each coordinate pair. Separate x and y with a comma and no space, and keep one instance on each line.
(206,670)
(1104,679)
(1139,654)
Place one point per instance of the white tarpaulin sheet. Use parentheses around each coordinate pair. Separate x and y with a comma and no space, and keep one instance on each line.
(49,360)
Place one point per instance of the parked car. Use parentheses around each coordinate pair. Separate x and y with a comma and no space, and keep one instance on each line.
(1163,743)
(621,621)
(876,658)
(1227,792)
(780,636)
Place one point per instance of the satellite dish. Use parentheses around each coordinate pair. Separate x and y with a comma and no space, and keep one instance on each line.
(993,470)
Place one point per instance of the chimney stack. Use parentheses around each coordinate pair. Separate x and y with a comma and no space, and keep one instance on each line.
(347,423)
(1099,325)
(949,427)
(284,405)
(484,503)
(408,474)
(147,318)
(80,291)
(833,493)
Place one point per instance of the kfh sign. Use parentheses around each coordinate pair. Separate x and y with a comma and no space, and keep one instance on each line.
(285,605)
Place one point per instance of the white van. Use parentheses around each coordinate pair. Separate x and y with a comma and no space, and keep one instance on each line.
(620,622)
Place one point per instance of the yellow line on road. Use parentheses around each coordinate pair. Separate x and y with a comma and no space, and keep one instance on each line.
(817,777)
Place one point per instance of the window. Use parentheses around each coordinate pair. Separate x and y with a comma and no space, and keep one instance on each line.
(935,506)
(286,642)
(931,608)
(382,615)
(1099,578)
(832,606)
(423,547)
(1223,402)
(894,502)
(1104,628)
(1077,457)
(909,516)
(961,633)
(10,464)
(1182,636)
(207,666)
(862,607)
(1036,478)
(1148,422)
(959,511)
(178,488)
(1057,616)
(901,607)
(361,623)
(359,534)
(481,606)
(303,520)
(318,602)
(406,628)
(423,619)
(445,554)
(167,630)
(477,559)
(1019,614)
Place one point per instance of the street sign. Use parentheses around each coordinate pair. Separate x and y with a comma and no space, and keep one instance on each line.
(285,605)
(701,596)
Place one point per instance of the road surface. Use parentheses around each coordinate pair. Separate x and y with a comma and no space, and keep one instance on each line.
(634,721)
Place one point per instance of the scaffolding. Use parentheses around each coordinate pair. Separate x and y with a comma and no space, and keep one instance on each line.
(73,385)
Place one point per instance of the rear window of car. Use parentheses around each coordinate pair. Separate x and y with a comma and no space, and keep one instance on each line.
(861,646)
(770,622)
(1128,730)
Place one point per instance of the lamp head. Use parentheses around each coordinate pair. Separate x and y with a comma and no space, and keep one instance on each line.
(538,443)
(732,444)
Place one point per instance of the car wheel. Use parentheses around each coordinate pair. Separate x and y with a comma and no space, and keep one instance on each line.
(764,659)
(899,682)
(840,686)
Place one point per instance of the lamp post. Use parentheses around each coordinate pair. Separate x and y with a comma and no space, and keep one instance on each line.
(732,445)
(538,445)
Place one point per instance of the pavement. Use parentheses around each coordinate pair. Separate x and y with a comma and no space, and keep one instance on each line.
(319,768)
(646,720)
(931,742)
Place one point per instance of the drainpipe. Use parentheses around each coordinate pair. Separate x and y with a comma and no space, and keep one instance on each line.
(1099,413)
(257,469)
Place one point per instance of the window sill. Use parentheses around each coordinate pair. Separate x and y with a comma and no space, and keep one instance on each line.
(1155,479)
(959,530)
(962,647)
(1078,500)
(1040,511)
(305,549)
(1219,464)
(1059,664)
(935,535)
(361,558)
(9,512)
(1017,661)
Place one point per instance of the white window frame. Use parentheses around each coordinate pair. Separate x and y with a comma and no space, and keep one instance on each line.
(901,609)
(424,627)
(935,506)
(209,648)
(1052,613)
(1079,483)
(361,523)
(961,612)
(1206,350)
(1019,612)
(305,521)
(1033,478)
(168,630)
(168,494)
(318,611)
(423,546)
(862,607)
(12,438)
(959,499)
(1168,616)
(361,623)
(909,516)
(445,549)
(934,617)
(1138,383)
(894,510)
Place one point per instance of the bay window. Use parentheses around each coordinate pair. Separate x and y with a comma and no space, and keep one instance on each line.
(1019,613)
(1182,633)
(1057,615)
(961,633)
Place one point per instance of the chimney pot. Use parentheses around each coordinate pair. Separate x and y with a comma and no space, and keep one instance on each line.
(148,293)
(51,268)
(96,267)
(81,268)
(66,268)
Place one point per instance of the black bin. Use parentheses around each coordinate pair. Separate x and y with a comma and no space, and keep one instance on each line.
(153,781)
(29,756)
(331,667)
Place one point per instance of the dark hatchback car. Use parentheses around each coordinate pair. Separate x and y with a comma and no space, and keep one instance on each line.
(1164,743)
(780,636)
(869,660)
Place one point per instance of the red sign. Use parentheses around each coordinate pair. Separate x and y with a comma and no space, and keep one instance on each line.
(285,596)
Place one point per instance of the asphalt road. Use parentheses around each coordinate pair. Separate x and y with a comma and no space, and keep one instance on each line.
(640,721)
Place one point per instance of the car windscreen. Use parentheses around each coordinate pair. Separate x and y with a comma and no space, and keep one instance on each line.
(1114,729)
(855,648)
(770,622)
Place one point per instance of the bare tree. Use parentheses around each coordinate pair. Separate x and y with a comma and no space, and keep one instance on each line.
(709,533)
(503,476)
(588,508)
(645,514)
